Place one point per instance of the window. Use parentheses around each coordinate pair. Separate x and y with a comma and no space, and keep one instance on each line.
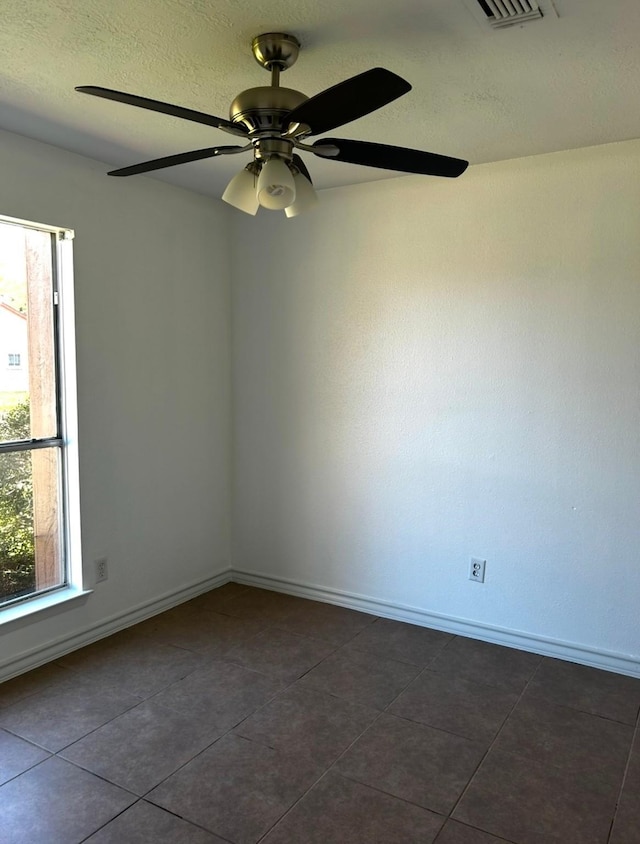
(38,460)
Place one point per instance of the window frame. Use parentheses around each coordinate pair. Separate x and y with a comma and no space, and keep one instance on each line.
(66,438)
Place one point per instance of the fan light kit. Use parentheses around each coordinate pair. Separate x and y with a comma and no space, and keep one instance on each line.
(275,123)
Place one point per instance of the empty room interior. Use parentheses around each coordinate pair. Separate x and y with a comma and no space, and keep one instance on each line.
(345,430)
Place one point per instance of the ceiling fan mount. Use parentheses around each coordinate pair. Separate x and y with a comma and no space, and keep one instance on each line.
(275,122)
(275,49)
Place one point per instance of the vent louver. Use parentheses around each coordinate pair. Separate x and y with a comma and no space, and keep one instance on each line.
(501,13)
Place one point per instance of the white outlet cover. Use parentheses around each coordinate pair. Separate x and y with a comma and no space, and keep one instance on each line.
(477,569)
(101,563)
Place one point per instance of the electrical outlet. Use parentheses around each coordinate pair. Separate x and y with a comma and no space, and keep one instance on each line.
(476,570)
(102,570)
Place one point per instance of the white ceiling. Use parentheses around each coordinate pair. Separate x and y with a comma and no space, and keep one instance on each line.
(559,83)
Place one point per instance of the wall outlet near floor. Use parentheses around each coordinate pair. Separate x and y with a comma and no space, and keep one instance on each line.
(102,569)
(476,570)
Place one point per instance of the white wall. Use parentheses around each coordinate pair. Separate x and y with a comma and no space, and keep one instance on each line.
(152,323)
(428,370)
(424,370)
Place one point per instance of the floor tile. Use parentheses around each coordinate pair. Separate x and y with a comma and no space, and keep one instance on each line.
(221,695)
(591,690)
(482,662)
(216,597)
(566,738)
(17,756)
(131,664)
(458,833)
(31,683)
(633,772)
(306,719)
(337,811)
(147,824)
(65,712)
(626,827)
(260,604)
(161,621)
(361,678)
(203,631)
(419,764)
(237,789)
(473,710)
(325,621)
(57,803)
(531,803)
(142,747)
(400,641)
(280,654)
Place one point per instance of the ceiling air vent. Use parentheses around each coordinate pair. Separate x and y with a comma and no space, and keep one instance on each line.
(502,13)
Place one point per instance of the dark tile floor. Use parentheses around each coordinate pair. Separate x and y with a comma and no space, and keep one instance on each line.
(246,715)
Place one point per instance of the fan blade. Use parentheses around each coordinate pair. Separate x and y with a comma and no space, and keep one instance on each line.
(172,160)
(348,100)
(163,108)
(302,167)
(394,158)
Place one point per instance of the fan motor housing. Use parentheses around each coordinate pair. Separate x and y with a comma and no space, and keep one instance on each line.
(262,109)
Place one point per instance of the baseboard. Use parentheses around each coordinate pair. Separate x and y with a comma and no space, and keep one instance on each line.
(120,621)
(607,660)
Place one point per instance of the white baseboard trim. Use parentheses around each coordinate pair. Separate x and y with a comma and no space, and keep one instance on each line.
(607,660)
(38,656)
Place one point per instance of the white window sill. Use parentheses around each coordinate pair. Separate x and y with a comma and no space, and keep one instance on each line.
(32,606)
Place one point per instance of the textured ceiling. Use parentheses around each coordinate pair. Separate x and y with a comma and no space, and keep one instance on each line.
(560,83)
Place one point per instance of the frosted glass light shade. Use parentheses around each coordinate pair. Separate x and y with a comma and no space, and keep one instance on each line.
(306,197)
(276,187)
(241,192)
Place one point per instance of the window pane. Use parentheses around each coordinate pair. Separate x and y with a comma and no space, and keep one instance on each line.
(30,547)
(27,342)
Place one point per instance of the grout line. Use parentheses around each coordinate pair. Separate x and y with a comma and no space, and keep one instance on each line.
(635,738)
(13,733)
(135,803)
(292,807)
(31,767)
(179,768)
(381,790)
(84,735)
(372,652)
(476,829)
(45,686)
(230,730)
(493,741)
(431,727)
(321,777)
(161,809)
(332,766)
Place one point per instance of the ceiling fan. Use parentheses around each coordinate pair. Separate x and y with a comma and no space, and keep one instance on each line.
(275,122)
